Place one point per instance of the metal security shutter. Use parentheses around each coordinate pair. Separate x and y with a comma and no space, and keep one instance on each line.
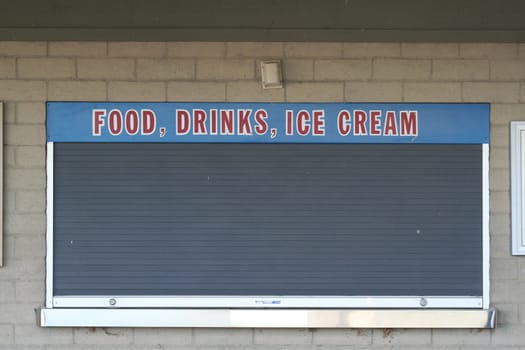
(267,219)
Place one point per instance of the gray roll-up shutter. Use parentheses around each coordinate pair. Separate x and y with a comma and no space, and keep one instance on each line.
(267,219)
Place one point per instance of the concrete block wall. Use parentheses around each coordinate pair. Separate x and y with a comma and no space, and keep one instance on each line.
(32,73)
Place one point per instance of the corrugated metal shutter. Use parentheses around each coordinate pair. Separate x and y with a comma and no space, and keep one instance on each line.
(267,219)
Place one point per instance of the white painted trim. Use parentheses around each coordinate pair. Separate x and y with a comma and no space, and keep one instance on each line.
(49,229)
(409,302)
(517,153)
(486,226)
(268,318)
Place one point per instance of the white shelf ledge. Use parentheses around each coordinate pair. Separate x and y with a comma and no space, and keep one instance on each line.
(269,318)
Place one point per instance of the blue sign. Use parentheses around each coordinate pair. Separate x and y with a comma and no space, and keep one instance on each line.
(268,122)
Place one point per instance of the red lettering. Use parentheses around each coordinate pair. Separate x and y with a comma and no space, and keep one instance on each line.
(408,123)
(343,123)
(390,124)
(183,122)
(318,123)
(115,122)
(132,122)
(199,119)
(303,125)
(149,122)
(243,122)
(359,123)
(213,122)
(227,122)
(260,119)
(375,122)
(98,122)
(289,122)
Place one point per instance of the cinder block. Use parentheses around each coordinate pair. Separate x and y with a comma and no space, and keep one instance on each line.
(105,68)
(77,48)
(490,50)
(7,68)
(23,48)
(445,337)
(25,135)
(460,70)
(9,201)
(403,337)
(369,50)
(254,49)
(30,156)
(103,336)
(77,91)
(283,336)
(25,179)
(507,70)
(132,91)
(220,69)
(348,337)
(26,269)
(33,291)
(502,114)
(252,91)
(31,224)
(46,68)
(499,202)
(432,92)
(502,269)
(26,312)
(9,112)
(196,91)
(373,91)
(342,70)
(30,201)
(314,92)
(426,50)
(31,113)
(499,136)
(491,92)
(222,337)
(7,294)
(137,49)
(8,312)
(17,90)
(499,158)
(510,335)
(298,70)
(196,49)
(163,336)
(398,69)
(7,334)
(499,179)
(511,291)
(28,246)
(9,156)
(313,50)
(500,246)
(500,224)
(507,314)
(165,69)
(34,335)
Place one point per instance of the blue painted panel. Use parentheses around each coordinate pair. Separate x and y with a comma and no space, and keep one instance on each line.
(268,122)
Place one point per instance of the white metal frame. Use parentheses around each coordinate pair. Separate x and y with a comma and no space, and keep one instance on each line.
(136,303)
(517,187)
(49,223)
